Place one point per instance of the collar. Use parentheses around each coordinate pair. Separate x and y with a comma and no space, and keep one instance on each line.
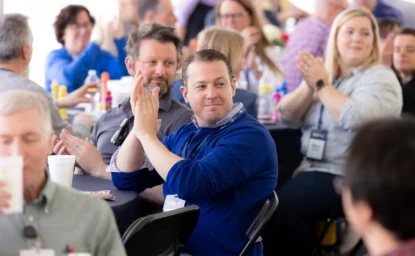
(164,102)
(235,109)
(46,196)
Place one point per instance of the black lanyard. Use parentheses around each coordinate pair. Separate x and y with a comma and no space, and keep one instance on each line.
(201,144)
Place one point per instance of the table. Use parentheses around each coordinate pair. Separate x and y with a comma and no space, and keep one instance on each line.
(126,205)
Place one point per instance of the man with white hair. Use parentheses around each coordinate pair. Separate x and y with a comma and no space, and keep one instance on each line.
(15,54)
(310,35)
(54,217)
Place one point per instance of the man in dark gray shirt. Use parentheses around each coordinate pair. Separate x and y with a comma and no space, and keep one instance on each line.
(154,52)
(15,55)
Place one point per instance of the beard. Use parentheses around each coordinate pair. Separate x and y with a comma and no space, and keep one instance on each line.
(162,82)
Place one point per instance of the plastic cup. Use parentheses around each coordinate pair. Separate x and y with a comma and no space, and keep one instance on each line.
(61,169)
(11,172)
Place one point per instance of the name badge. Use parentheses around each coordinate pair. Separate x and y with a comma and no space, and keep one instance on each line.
(316,145)
(35,252)
(173,202)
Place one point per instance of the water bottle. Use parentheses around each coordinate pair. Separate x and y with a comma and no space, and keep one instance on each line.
(93,108)
(265,97)
(278,94)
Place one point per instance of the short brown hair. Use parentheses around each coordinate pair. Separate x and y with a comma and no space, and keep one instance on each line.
(66,17)
(156,32)
(386,25)
(206,55)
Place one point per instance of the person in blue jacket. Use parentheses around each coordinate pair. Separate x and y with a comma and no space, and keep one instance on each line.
(224,161)
(69,65)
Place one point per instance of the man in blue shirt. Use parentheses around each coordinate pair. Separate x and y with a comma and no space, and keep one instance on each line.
(225,161)
(380,9)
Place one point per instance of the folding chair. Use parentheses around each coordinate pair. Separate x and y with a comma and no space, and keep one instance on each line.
(161,233)
(260,221)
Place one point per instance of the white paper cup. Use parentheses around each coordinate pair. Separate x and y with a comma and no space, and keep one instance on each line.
(61,169)
(11,171)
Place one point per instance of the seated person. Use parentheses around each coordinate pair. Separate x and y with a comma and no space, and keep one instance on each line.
(378,193)
(380,9)
(260,55)
(231,44)
(15,56)
(57,214)
(154,51)
(388,28)
(404,64)
(329,106)
(224,161)
(69,65)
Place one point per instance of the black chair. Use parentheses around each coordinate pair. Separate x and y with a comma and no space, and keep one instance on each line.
(161,233)
(260,221)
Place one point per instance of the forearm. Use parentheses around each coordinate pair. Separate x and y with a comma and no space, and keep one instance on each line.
(131,154)
(333,101)
(160,157)
(294,105)
(154,194)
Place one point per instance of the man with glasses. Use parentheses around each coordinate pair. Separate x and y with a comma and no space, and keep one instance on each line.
(55,220)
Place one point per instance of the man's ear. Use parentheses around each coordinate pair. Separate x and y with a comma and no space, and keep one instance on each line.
(183,89)
(233,86)
(129,63)
(26,52)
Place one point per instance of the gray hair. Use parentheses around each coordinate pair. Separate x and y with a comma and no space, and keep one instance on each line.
(147,6)
(14,101)
(15,33)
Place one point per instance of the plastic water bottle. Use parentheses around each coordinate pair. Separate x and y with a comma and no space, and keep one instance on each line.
(265,97)
(93,108)
(278,94)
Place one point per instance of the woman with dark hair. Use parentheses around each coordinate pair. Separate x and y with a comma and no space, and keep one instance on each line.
(404,64)
(69,65)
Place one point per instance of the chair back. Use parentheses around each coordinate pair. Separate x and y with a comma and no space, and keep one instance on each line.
(161,233)
(260,221)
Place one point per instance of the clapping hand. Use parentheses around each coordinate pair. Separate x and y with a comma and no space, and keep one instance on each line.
(312,69)
(145,108)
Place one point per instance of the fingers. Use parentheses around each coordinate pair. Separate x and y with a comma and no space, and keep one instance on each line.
(57,149)
(158,124)
(155,95)
(54,140)
(138,81)
(74,145)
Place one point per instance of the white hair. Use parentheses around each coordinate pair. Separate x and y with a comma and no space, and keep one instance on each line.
(14,101)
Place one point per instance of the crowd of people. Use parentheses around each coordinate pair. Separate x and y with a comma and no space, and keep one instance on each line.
(189,129)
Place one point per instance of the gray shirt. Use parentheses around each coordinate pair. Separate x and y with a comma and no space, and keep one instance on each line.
(373,93)
(172,113)
(61,217)
(13,81)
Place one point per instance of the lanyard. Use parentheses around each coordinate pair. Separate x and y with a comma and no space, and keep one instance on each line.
(320,118)
(201,144)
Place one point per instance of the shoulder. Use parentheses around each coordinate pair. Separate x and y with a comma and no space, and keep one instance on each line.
(249,129)
(380,73)
(58,53)
(72,197)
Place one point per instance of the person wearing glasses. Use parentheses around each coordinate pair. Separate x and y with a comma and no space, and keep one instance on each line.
(54,218)
(260,56)
(69,65)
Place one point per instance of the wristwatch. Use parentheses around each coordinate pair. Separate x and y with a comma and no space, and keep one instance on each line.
(320,84)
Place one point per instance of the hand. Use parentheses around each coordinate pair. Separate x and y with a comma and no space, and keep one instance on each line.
(84,117)
(87,155)
(4,197)
(59,147)
(252,36)
(250,61)
(312,69)
(386,48)
(76,97)
(145,108)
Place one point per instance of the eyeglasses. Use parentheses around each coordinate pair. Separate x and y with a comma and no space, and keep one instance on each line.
(234,16)
(76,26)
(121,134)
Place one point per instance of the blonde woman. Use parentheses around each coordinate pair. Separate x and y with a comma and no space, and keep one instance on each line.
(330,105)
(231,44)
(260,56)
